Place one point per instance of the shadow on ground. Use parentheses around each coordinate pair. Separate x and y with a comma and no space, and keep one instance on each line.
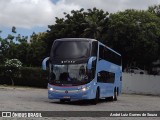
(81,102)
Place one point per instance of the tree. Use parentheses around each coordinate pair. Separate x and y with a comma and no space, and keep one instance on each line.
(37,49)
(135,35)
(155,10)
(10,38)
(96,22)
(78,24)
(14,29)
(69,27)
(4,50)
(29,53)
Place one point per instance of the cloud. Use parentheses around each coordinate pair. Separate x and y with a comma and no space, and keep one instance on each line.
(114,5)
(31,13)
(40,13)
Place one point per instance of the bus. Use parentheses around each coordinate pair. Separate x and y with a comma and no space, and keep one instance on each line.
(83,69)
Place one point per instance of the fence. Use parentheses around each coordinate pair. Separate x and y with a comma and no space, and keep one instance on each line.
(141,84)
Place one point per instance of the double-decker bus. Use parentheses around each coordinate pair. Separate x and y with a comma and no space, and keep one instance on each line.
(82,68)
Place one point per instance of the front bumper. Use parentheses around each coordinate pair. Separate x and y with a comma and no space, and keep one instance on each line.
(70,94)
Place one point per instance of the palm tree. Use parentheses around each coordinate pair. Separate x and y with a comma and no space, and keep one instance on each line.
(96,22)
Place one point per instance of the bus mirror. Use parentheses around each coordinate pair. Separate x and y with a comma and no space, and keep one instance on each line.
(44,63)
(91,62)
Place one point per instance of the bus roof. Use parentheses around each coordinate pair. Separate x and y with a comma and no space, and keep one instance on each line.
(86,39)
(109,48)
(77,39)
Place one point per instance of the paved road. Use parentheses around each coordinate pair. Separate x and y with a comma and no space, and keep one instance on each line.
(31,99)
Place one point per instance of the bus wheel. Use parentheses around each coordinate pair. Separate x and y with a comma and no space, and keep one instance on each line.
(115,95)
(62,100)
(109,98)
(112,98)
(96,100)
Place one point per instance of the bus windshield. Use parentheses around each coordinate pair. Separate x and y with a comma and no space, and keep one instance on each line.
(70,49)
(72,74)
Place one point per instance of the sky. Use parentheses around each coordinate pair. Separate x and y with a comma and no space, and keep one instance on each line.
(30,16)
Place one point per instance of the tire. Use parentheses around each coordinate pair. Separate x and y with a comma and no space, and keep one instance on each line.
(141,72)
(132,71)
(112,98)
(109,98)
(96,100)
(115,95)
(62,101)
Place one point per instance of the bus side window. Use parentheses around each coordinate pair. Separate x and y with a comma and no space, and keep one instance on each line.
(99,77)
(101,52)
(106,77)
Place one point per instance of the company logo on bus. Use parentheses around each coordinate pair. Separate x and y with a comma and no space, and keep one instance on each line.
(67,61)
(66,91)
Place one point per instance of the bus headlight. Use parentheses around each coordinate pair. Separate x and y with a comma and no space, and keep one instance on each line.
(85,88)
(51,89)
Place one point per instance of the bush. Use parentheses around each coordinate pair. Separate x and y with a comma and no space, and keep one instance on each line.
(28,76)
(34,77)
(4,79)
(13,63)
(13,67)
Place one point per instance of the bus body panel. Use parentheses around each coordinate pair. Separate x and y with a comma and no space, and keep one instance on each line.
(107,89)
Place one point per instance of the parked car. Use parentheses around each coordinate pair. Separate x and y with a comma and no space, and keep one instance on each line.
(155,70)
(135,70)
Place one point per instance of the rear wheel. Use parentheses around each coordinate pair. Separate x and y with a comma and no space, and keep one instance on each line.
(115,95)
(109,98)
(112,98)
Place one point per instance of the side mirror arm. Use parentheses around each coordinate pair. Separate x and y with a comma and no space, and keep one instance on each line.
(44,63)
(89,65)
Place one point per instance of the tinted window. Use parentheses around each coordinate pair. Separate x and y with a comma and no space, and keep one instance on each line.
(70,49)
(101,50)
(108,55)
(94,48)
(106,77)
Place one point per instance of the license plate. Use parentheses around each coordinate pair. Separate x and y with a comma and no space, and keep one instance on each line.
(66,97)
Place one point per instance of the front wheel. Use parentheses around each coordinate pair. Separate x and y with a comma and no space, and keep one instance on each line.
(62,101)
(96,100)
